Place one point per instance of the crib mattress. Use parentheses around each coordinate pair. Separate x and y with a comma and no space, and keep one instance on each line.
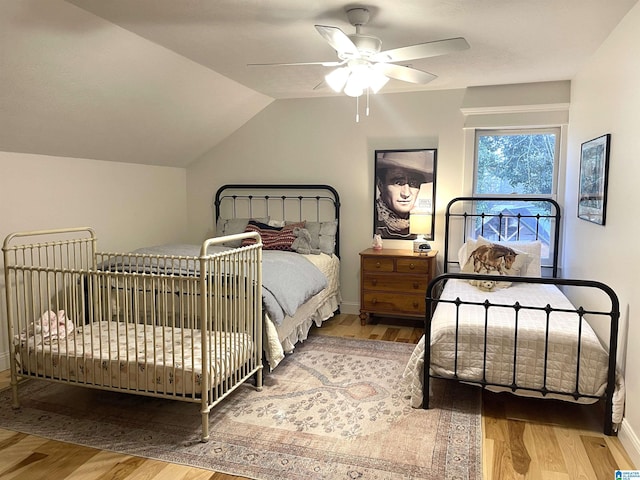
(129,356)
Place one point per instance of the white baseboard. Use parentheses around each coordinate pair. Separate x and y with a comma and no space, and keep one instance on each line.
(630,442)
(4,361)
(350,308)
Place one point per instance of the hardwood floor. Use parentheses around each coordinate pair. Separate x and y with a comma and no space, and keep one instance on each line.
(522,438)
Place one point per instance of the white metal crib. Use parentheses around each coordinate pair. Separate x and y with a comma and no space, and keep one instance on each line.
(177,327)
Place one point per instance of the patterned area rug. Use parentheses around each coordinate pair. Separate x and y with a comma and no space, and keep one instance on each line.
(336,408)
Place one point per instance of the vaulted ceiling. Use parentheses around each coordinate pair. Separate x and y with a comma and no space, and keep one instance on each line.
(162,81)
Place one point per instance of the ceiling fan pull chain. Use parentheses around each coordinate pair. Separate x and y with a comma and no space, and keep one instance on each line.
(367,109)
(357,109)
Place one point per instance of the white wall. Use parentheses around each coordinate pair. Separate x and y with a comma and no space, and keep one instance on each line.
(128,205)
(605,98)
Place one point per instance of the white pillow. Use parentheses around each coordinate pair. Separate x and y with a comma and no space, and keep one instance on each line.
(465,250)
(327,237)
(323,235)
(532,248)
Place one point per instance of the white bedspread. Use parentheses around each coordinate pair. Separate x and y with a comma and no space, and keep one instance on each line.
(562,352)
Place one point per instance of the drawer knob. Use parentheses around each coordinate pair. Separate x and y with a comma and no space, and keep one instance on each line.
(415,285)
(377,264)
(374,282)
(416,304)
(374,301)
(412,266)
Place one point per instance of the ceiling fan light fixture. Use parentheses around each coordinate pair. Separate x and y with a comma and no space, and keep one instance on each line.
(354,86)
(363,78)
(377,80)
(337,78)
(360,78)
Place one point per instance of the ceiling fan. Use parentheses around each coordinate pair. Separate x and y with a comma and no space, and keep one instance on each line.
(362,66)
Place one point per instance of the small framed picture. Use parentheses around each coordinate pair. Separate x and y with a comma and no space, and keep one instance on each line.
(594,166)
(405,185)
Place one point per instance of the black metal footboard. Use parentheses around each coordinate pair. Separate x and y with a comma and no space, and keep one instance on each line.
(610,312)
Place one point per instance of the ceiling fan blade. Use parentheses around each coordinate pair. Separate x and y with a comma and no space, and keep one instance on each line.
(321,85)
(324,64)
(406,74)
(422,50)
(338,40)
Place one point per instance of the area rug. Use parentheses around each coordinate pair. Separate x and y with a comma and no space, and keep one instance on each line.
(336,408)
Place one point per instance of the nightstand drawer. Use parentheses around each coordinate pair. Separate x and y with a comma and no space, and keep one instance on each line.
(395,283)
(377,264)
(394,303)
(413,265)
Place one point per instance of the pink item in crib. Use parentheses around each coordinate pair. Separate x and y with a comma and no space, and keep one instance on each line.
(56,326)
(50,326)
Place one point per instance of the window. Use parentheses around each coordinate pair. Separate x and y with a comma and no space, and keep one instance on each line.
(516,163)
(521,162)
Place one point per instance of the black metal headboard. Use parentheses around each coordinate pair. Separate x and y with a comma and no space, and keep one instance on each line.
(503,219)
(291,202)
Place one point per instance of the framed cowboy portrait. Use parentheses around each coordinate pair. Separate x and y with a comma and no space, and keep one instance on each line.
(405,185)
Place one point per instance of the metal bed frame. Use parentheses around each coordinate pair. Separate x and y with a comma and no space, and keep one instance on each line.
(321,203)
(463,209)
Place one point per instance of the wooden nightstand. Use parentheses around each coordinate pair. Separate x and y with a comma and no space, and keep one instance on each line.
(394,282)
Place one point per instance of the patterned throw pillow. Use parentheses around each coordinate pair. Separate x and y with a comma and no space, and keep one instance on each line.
(273,238)
(496,259)
(533,248)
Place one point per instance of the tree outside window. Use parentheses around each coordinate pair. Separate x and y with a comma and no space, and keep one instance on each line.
(516,163)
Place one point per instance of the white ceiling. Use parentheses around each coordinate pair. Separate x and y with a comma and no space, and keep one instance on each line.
(163,81)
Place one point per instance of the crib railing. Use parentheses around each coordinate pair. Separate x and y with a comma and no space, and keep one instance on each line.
(186,328)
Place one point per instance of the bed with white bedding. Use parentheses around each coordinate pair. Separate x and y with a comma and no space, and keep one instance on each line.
(520,333)
(316,208)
